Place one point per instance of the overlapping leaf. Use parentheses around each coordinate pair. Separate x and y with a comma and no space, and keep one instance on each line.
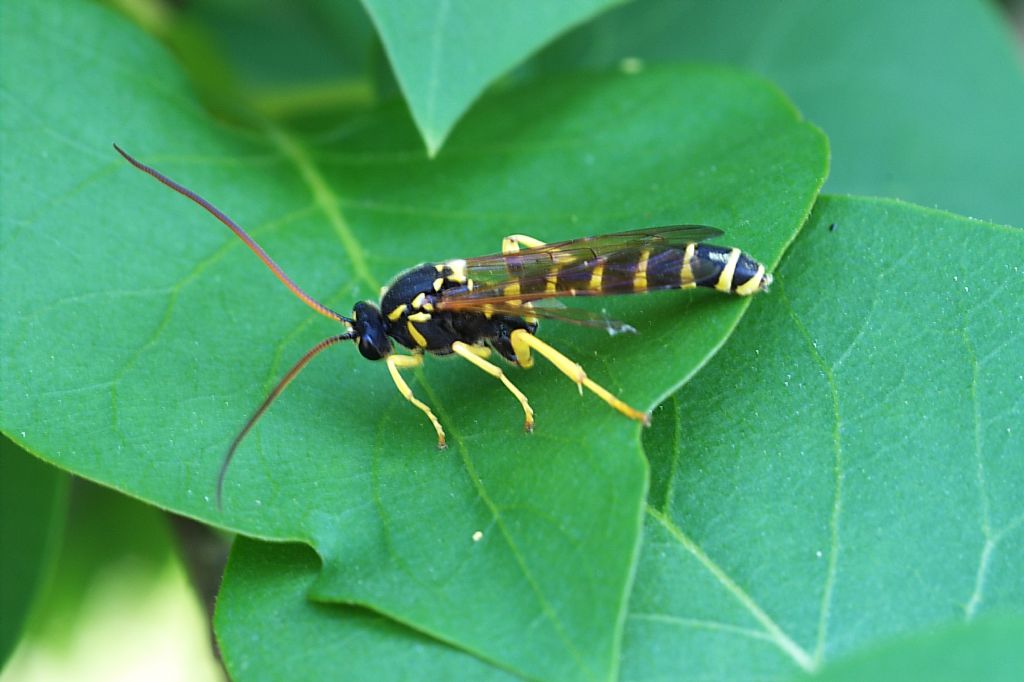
(445,52)
(987,648)
(848,469)
(268,583)
(142,333)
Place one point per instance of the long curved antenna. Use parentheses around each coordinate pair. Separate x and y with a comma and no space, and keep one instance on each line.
(242,234)
(281,385)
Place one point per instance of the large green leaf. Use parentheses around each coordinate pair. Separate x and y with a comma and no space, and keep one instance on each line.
(140,333)
(849,467)
(33,497)
(268,583)
(445,52)
(920,100)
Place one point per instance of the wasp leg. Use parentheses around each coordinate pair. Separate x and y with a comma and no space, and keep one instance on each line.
(396,362)
(522,349)
(513,242)
(479,351)
(523,341)
(469,353)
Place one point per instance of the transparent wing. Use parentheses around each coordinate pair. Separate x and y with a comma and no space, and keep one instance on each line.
(592,266)
(553,310)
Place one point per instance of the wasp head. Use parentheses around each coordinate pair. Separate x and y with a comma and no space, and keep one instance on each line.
(370,331)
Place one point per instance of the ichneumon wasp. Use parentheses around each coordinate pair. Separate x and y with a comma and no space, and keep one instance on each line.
(472,306)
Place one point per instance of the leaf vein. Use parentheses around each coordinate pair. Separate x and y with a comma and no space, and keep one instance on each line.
(837,499)
(701,624)
(326,200)
(772,629)
(173,292)
(977,595)
(546,608)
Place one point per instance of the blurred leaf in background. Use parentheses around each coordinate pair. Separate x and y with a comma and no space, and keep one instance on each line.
(33,500)
(302,62)
(920,100)
(119,605)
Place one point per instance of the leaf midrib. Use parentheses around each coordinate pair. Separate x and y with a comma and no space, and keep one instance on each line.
(326,200)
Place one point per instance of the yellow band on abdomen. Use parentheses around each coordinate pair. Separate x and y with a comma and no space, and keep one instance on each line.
(724,282)
(753,284)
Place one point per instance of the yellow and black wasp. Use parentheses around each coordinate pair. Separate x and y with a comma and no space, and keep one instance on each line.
(473,306)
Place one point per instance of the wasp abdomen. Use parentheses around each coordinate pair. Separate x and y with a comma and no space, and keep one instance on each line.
(638,270)
(726,269)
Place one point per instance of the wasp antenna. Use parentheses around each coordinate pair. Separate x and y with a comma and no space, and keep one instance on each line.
(281,385)
(242,234)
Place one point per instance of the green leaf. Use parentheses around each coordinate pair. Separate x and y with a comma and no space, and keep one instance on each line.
(920,100)
(987,648)
(445,52)
(153,333)
(848,468)
(267,583)
(33,496)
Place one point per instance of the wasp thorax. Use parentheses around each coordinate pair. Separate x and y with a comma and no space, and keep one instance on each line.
(371,331)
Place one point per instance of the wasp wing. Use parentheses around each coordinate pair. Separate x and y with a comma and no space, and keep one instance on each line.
(552,310)
(591,266)
(501,267)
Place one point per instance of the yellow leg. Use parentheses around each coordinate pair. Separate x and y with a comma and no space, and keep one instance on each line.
(479,351)
(513,242)
(468,352)
(521,349)
(396,362)
(523,341)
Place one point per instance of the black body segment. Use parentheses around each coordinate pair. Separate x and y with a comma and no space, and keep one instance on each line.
(664,270)
(410,315)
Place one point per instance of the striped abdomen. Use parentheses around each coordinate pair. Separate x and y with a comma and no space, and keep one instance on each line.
(639,270)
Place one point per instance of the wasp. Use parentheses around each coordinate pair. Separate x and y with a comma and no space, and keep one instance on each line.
(473,307)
